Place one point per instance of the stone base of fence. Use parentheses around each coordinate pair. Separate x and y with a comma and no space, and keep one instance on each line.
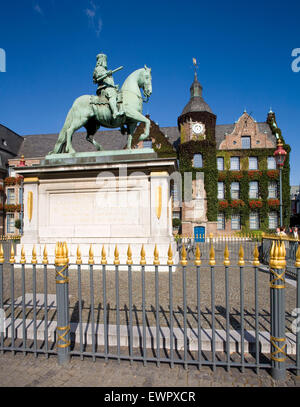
(206,337)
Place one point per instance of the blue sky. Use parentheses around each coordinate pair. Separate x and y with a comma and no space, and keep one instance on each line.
(244,50)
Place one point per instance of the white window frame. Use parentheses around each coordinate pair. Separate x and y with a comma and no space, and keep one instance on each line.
(272,191)
(10,223)
(244,138)
(220,160)
(221,195)
(251,161)
(235,163)
(273,216)
(256,221)
(237,219)
(272,166)
(235,192)
(253,192)
(9,200)
(221,221)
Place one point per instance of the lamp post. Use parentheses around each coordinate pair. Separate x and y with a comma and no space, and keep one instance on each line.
(280,156)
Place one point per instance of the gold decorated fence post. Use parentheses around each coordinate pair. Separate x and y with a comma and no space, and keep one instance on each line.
(62,298)
(277,308)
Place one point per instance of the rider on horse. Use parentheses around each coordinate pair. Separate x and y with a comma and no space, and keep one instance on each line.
(106,87)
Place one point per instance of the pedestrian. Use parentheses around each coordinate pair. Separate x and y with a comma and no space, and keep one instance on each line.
(295,233)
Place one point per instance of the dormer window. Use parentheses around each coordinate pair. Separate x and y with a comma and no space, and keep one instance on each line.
(246,142)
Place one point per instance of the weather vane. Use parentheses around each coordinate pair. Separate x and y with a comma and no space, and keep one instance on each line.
(195,65)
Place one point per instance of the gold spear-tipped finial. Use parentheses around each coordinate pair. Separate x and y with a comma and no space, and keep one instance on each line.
(65,252)
(2,259)
(198,256)
(273,260)
(297,264)
(34,259)
(103,256)
(212,260)
(129,256)
(12,255)
(23,258)
(91,256)
(226,256)
(45,256)
(281,255)
(117,258)
(183,256)
(170,257)
(156,261)
(78,254)
(241,262)
(143,256)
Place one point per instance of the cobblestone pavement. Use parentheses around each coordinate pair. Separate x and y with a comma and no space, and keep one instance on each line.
(28,371)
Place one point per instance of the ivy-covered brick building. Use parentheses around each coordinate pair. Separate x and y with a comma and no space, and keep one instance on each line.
(239,187)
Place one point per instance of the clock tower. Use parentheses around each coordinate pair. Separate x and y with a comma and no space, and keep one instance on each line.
(197,121)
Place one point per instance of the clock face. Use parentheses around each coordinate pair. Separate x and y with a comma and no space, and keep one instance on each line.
(198,128)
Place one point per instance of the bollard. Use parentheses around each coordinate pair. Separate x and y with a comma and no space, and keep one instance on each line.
(62,298)
(277,303)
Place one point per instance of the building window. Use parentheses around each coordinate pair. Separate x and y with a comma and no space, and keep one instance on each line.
(235,190)
(253,163)
(174,192)
(176,215)
(11,196)
(253,189)
(198,161)
(272,188)
(254,221)
(235,163)
(10,221)
(271,163)
(147,144)
(221,221)
(235,222)
(221,190)
(273,220)
(246,142)
(220,163)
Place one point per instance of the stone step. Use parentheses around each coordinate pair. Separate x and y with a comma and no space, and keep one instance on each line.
(164,342)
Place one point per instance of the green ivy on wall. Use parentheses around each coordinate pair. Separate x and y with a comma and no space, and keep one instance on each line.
(207,148)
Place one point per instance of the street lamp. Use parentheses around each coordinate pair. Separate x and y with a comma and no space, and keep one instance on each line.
(280,156)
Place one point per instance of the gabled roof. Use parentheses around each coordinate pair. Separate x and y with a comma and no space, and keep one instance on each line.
(10,143)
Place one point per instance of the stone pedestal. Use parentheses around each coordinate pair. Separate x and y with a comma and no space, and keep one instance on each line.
(99,199)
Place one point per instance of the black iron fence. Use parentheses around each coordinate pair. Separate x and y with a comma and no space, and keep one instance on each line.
(203,312)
